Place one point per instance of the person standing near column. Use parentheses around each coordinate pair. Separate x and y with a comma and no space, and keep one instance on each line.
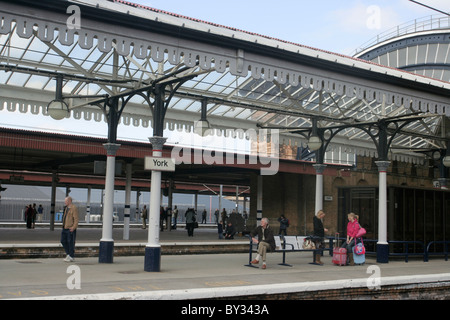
(144,217)
(175,217)
(319,235)
(40,212)
(190,221)
(69,231)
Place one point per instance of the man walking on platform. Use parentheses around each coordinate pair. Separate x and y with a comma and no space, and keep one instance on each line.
(69,231)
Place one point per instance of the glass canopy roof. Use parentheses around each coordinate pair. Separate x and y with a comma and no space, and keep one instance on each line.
(233,102)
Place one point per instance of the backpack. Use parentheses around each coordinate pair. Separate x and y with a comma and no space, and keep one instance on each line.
(359,248)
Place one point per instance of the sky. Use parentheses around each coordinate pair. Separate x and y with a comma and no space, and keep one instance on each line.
(337,26)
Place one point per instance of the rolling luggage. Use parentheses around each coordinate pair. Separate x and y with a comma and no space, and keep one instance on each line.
(339,254)
(359,253)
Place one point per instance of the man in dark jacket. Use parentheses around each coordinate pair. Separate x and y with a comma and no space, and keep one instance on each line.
(230,231)
(265,241)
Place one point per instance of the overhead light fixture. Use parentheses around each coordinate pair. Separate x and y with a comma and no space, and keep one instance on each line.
(436,155)
(446,159)
(202,126)
(58,108)
(314,142)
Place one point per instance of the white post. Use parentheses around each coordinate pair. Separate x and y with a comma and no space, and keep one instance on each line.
(153,247)
(106,247)
(382,244)
(155,204)
(126,215)
(319,186)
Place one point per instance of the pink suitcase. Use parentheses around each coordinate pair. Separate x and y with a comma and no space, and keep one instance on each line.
(339,254)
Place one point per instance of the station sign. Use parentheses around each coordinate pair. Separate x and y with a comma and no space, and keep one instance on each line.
(159,164)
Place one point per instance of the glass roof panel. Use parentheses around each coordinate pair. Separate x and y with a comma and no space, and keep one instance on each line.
(258,101)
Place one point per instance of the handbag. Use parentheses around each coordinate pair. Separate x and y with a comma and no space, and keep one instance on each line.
(308,244)
(359,248)
(361,232)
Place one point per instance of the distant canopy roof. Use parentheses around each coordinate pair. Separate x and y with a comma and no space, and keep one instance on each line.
(248,79)
(421,46)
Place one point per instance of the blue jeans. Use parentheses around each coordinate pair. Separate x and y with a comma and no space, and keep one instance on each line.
(68,241)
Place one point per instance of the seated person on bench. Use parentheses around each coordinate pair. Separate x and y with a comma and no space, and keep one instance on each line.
(265,241)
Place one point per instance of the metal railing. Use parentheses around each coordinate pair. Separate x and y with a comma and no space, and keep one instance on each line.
(406,252)
(407,248)
(445,252)
(428,23)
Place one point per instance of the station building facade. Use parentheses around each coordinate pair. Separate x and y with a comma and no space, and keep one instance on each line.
(418,210)
(418,199)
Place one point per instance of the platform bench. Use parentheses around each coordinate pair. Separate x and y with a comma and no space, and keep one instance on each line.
(284,244)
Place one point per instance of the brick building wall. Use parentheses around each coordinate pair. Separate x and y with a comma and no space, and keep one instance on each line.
(294,194)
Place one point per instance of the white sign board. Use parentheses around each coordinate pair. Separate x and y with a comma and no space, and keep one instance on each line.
(159,164)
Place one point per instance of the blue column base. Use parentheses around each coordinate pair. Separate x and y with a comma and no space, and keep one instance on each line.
(106,252)
(382,253)
(152,259)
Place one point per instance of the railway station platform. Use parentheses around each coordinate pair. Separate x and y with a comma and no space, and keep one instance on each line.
(205,275)
(17,242)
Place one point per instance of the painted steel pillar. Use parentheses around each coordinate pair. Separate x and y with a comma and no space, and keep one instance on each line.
(162,94)
(170,204)
(244,209)
(53,200)
(106,248)
(382,244)
(138,214)
(126,214)
(153,248)
(195,201)
(319,186)
(220,200)
(259,201)
(88,205)
(237,199)
(443,169)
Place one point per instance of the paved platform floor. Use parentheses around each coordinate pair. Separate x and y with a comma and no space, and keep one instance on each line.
(185,277)
(193,277)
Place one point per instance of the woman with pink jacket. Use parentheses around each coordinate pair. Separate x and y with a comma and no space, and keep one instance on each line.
(352,229)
